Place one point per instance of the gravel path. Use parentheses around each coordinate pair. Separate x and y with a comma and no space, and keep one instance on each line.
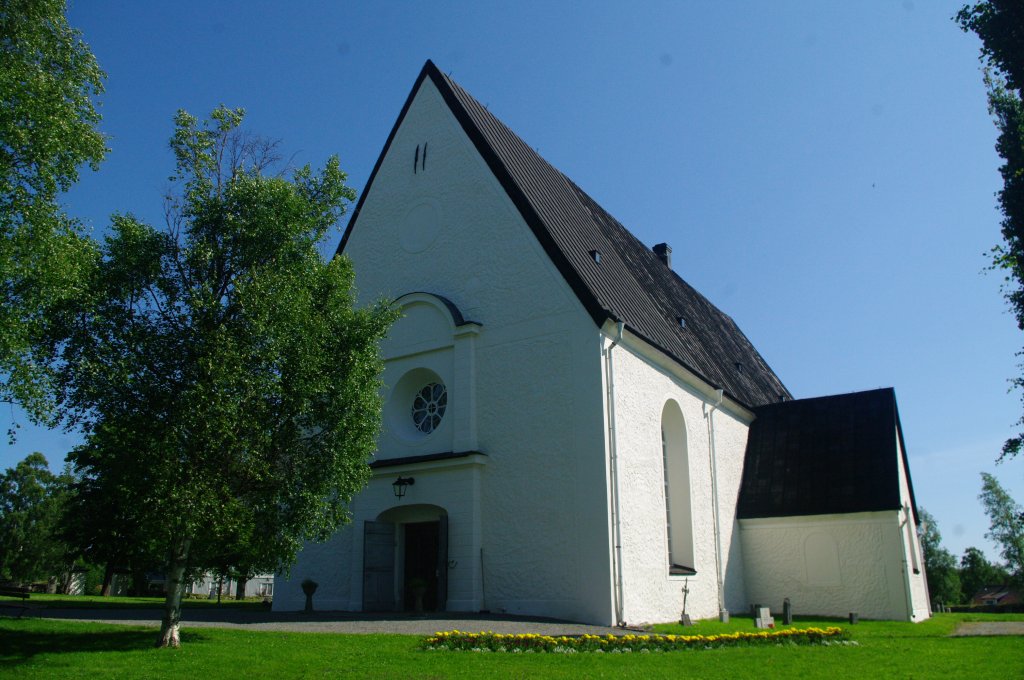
(335,622)
(969,628)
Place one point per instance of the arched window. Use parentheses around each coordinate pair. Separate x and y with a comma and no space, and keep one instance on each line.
(678,515)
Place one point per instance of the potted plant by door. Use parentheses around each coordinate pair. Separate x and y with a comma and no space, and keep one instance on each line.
(418,588)
(309,587)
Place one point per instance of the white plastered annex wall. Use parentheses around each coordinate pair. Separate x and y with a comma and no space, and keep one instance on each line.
(911,549)
(866,562)
(827,565)
(643,383)
(528,519)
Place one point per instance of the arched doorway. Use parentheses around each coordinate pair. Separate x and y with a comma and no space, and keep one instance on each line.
(405,551)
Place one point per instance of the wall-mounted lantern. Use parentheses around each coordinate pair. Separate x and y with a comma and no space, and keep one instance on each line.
(400,484)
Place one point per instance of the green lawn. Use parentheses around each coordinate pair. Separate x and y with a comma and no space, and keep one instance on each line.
(35,648)
(41,600)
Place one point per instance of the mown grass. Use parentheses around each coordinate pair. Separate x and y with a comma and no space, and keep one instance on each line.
(39,648)
(45,601)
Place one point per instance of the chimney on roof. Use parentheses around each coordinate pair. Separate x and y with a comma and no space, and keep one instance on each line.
(664,253)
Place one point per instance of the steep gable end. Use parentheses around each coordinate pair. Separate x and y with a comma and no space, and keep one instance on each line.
(630,283)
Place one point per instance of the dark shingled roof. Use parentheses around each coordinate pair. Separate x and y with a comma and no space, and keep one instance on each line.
(823,456)
(630,284)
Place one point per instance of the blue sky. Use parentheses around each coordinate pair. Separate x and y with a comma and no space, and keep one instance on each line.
(823,170)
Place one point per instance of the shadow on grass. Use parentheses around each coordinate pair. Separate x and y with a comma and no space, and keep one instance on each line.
(79,602)
(18,647)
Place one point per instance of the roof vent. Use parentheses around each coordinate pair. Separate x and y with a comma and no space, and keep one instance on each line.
(664,253)
(682,321)
(596,254)
(739,366)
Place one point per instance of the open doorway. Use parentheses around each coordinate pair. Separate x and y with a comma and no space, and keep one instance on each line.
(421,564)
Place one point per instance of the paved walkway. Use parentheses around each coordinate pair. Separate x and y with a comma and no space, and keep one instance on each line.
(335,622)
(971,628)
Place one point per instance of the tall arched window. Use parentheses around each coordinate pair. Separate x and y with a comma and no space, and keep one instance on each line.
(678,515)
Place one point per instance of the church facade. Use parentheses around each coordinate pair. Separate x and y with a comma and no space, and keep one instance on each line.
(571,430)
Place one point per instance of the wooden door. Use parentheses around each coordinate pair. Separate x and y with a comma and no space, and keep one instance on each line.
(442,563)
(379,567)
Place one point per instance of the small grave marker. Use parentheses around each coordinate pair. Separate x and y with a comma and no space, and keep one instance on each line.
(684,618)
(764,618)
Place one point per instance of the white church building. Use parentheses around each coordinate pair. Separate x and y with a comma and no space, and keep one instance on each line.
(572,431)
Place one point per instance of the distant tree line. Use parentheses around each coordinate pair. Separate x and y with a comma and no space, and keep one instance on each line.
(58,534)
(952,581)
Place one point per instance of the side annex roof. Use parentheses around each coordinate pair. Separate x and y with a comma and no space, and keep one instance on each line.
(826,455)
(630,283)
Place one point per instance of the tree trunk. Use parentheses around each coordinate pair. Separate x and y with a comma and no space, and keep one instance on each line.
(240,587)
(220,587)
(169,627)
(108,577)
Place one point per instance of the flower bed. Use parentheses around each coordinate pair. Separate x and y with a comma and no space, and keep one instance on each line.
(528,642)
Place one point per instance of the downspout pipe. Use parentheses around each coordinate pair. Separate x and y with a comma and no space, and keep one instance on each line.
(908,574)
(614,481)
(723,613)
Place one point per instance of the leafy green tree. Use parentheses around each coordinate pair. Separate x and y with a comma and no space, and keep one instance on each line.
(1006,524)
(48,80)
(939,564)
(103,522)
(221,366)
(243,556)
(31,505)
(976,572)
(240,556)
(1000,25)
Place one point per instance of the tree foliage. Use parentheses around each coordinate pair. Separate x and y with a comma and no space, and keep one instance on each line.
(48,80)
(225,377)
(1000,25)
(104,519)
(976,572)
(32,502)
(939,564)
(1006,524)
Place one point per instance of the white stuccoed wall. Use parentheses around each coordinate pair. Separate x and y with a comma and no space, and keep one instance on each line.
(828,564)
(525,390)
(643,383)
(319,562)
(836,564)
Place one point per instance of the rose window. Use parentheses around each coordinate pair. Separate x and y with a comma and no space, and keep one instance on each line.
(428,407)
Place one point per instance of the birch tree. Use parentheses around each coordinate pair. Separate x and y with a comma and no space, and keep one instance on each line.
(221,365)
